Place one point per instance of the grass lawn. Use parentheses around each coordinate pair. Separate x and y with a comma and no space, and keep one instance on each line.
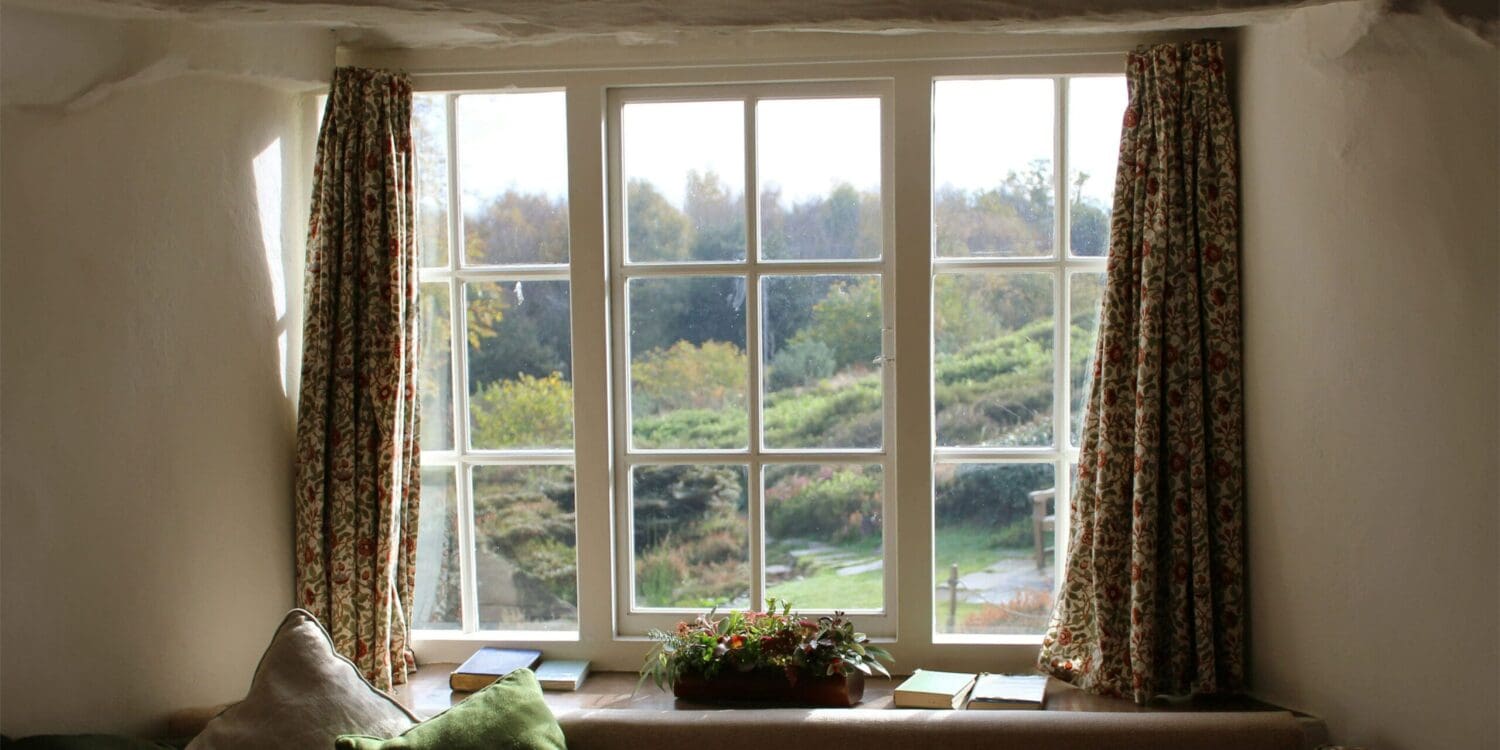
(973,548)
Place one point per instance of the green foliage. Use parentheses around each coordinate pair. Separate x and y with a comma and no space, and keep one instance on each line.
(775,640)
(526,515)
(801,363)
(518,228)
(845,224)
(657,230)
(848,322)
(690,534)
(688,376)
(527,412)
(838,504)
(1013,219)
(845,413)
(990,494)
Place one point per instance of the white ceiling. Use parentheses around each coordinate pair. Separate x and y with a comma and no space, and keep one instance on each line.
(371,24)
(375,24)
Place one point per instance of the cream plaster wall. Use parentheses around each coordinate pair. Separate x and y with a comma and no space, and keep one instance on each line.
(148,274)
(1372,235)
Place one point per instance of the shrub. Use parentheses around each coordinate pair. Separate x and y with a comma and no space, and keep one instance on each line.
(993,493)
(688,376)
(1027,611)
(838,503)
(527,412)
(801,363)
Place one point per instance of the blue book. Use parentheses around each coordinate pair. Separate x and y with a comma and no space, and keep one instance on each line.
(489,664)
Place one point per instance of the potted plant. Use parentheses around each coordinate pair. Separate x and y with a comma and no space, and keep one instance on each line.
(771,656)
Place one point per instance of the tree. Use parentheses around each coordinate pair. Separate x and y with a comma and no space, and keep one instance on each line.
(657,230)
(848,322)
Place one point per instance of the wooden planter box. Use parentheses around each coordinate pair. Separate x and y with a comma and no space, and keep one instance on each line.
(841,691)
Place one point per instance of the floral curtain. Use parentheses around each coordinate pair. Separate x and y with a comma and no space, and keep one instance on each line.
(357,473)
(1153,600)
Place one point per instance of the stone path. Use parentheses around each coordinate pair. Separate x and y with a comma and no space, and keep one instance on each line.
(999,582)
(813,556)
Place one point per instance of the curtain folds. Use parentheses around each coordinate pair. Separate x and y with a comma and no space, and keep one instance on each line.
(358,476)
(1153,596)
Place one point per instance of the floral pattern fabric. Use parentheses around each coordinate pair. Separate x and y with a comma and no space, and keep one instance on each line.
(358,476)
(1153,599)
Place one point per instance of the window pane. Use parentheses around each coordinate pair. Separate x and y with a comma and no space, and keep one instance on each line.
(520,365)
(687,362)
(690,535)
(823,544)
(436,383)
(1095,109)
(994,540)
(992,168)
(429,127)
(992,365)
(684,166)
(524,545)
(437,601)
(822,344)
(1085,295)
(819,169)
(513,171)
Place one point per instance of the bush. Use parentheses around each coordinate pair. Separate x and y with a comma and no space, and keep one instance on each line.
(848,322)
(527,412)
(997,494)
(688,376)
(526,516)
(840,504)
(800,363)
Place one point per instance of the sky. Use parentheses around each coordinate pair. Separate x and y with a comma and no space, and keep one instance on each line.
(982,130)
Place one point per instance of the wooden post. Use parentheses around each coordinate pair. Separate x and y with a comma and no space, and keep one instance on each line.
(952,596)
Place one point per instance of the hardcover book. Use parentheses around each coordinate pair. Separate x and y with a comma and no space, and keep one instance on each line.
(1008,691)
(560,674)
(927,688)
(489,664)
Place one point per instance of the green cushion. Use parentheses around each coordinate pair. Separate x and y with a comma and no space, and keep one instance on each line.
(509,714)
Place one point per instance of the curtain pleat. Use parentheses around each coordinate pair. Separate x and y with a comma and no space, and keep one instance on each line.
(1152,599)
(358,476)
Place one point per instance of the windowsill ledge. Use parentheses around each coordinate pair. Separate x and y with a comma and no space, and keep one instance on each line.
(610,704)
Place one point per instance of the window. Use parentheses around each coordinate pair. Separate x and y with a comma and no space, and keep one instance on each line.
(1018,263)
(751,411)
(726,280)
(496,537)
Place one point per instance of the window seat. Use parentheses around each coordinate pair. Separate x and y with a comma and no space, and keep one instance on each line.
(608,712)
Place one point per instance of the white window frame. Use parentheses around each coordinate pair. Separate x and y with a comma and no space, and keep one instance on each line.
(909,72)
(637,620)
(1062,265)
(463,458)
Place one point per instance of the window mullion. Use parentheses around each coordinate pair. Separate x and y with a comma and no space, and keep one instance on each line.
(753,345)
(457,324)
(1062,381)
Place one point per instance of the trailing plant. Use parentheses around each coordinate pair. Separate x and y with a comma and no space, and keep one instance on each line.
(774,640)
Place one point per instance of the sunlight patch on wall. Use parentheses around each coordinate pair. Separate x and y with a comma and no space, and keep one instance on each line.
(267,169)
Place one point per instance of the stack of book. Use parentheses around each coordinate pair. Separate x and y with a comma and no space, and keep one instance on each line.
(489,664)
(953,690)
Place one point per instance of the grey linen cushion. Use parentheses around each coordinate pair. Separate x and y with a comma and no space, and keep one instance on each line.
(303,695)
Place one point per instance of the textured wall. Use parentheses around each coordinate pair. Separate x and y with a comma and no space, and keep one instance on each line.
(149,274)
(1370,257)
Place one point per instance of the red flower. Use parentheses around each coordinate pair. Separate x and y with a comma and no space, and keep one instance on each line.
(1064,636)
(1212,253)
(1130,118)
(366,548)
